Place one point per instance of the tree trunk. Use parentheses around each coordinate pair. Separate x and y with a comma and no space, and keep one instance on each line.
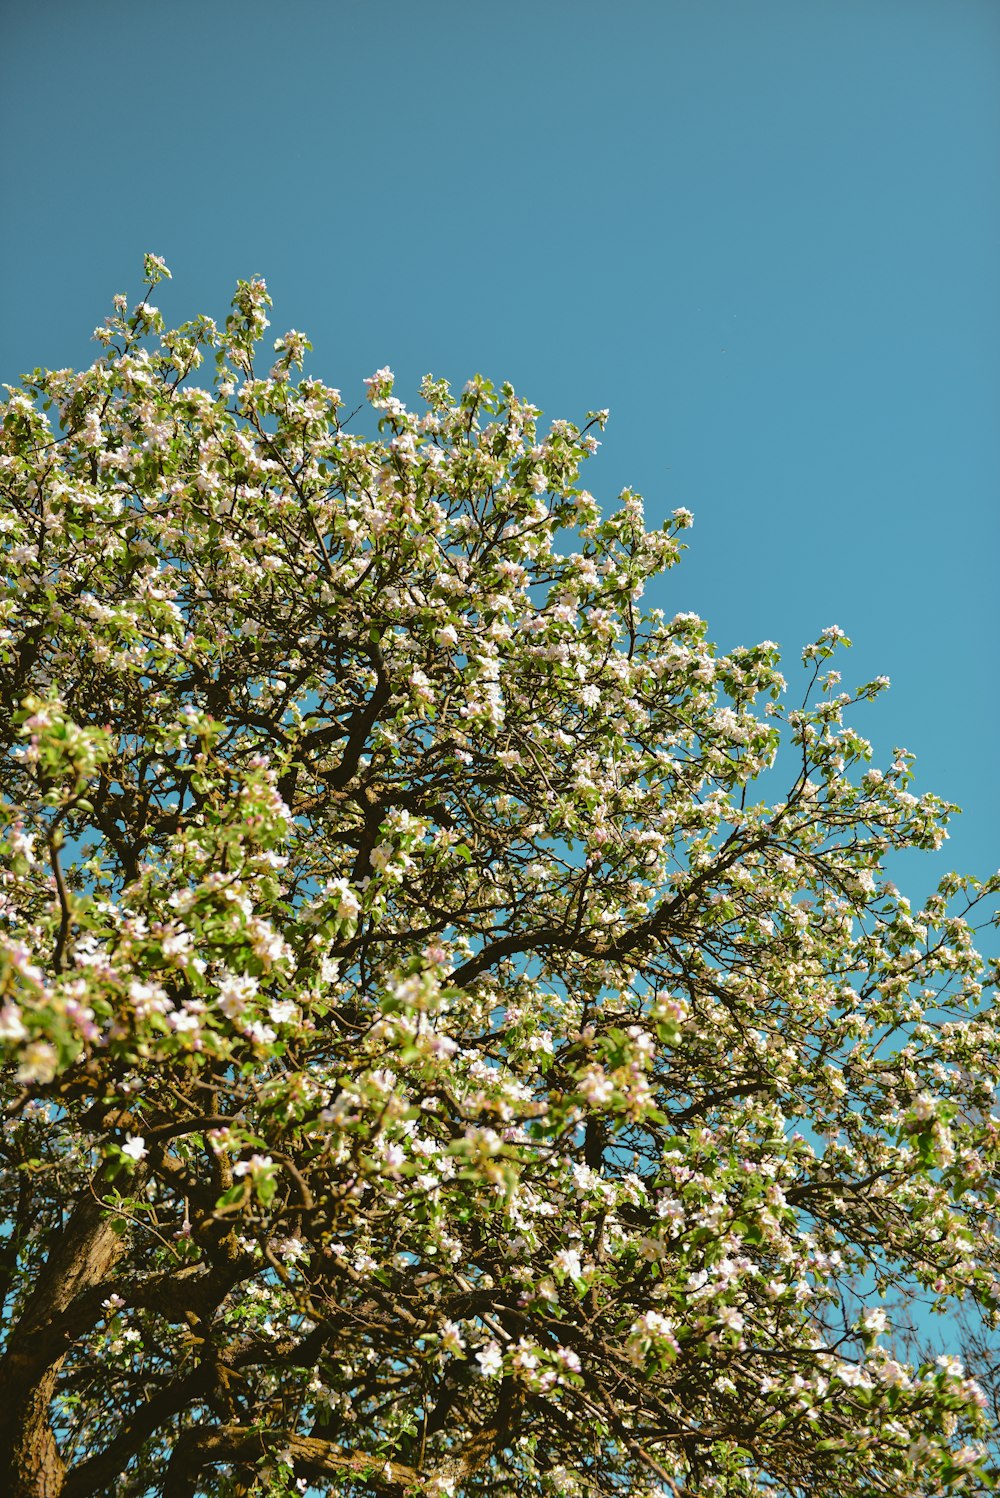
(82,1257)
(34,1467)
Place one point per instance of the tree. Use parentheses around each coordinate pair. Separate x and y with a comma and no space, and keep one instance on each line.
(433,1064)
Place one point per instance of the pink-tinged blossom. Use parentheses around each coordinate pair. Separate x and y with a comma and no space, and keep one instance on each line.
(596,1086)
(11,1024)
(291,1250)
(20,958)
(236,991)
(283,1012)
(379,387)
(567,1261)
(730,1317)
(38,1062)
(393,1158)
(254,1167)
(260,1033)
(452,1340)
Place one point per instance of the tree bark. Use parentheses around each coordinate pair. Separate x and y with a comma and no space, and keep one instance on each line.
(82,1256)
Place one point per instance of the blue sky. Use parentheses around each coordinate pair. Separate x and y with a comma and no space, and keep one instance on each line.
(765,235)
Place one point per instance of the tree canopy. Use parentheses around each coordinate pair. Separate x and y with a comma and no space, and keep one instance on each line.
(437,1059)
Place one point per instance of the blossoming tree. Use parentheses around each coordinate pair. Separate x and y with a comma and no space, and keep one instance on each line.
(433,1064)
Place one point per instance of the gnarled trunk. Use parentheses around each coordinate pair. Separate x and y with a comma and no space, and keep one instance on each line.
(81,1258)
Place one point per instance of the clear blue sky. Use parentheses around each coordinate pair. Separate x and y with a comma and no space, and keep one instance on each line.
(764,234)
